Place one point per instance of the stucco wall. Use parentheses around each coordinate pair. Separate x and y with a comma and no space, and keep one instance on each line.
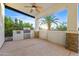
(57,37)
(1,29)
(43,34)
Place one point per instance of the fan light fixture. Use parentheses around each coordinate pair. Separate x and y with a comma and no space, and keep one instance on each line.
(35,7)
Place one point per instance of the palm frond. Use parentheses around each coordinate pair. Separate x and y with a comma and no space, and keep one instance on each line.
(55,23)
(43,22)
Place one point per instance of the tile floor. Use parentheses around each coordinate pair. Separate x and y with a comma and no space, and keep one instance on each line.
(34,47)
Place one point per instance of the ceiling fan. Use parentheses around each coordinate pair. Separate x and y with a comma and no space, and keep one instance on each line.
(35,7)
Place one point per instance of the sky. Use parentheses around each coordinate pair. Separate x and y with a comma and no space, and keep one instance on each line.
(20,16)
(61,15)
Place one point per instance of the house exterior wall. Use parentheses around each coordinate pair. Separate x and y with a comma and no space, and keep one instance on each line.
(1,28)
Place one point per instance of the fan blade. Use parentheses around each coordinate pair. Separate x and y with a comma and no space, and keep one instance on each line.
(39,9)
(39,6)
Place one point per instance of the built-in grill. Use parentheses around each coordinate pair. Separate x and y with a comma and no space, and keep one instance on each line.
(27,34)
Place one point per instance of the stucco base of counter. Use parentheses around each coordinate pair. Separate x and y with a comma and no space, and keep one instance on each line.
(18,35)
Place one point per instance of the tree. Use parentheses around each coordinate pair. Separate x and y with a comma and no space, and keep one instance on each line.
(28,25)
(8,26)
(31,26)
(49,20)
(20,25)
(16,24)
(62,27)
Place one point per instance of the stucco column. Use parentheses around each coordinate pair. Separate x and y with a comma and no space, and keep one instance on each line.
(36,25)
(36,28)
(72,28)
(1,25)
(72,18)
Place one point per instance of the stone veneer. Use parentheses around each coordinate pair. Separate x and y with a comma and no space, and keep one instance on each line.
(72,41)
(36,34)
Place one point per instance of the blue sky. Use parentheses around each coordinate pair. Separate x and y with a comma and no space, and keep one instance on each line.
(61,15)
(20,16)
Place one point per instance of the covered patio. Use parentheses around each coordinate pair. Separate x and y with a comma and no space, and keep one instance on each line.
(45,42)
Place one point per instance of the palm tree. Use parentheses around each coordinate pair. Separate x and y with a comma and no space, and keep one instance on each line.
(62,27)
(49,20)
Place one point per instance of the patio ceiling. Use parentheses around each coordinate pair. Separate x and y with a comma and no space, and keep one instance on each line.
(48,8)
(20,7)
